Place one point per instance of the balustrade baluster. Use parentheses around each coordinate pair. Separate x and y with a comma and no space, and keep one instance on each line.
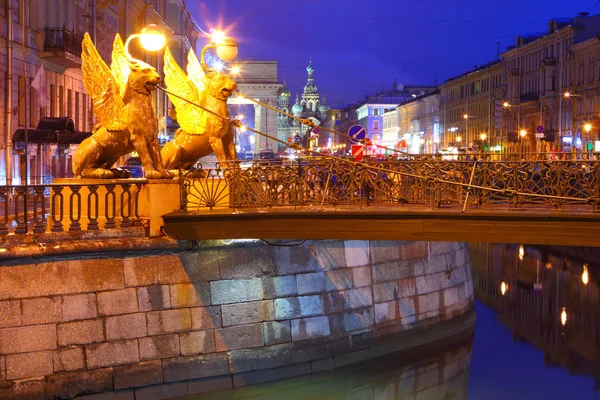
(39,217)
(125,221)
(92,208)
(136,201)
(75,226)
(111,198)
(57,217)
(21,220)
(4,191)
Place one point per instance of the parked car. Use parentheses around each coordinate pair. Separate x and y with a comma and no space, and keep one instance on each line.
(134,166)
(248,156)
(269,156)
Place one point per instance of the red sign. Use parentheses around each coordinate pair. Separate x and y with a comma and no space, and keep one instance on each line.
(357,152)
(289,140)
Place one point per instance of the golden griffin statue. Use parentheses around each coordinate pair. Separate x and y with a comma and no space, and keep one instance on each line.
(201,132)
(126,118)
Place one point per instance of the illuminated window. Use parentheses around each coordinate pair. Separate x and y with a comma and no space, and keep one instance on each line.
(375,125)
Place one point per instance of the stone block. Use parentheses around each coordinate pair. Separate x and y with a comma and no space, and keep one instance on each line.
(329,254)
(42,310)
(296,259)
(190,295)
(439,263)
(203,385)
(385,311)
(191,267)
(253,359)
(156,347)
(68,385)
(346,300)
(339,279)
(168,321)
(247,313)
(80,332)
(357,253)
(236,291)
(385,291)
(324,364)
(239,337)
(163,391)
(254,377)
(193,367)
(312,282)
(76,276)
(243,262)
(414,250)
(383,251)
(136,375)
(10,313)
(68,359)
(429,302)
(407,287)
(428,283)
(28,365)
(29,389)
(141,271)
(406,306)
(296,307)
(206,317)
(197,342)
(27,338)
(127,326)
(409,321)
(309,328)
(391,271)
(276,332)
(352,321)
(461,257)
(122,301)
(112,353)
(154,298)
(362,276)
(79,306)
(451,295)
(279,286)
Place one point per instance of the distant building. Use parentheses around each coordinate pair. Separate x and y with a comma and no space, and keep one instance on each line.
(307,106)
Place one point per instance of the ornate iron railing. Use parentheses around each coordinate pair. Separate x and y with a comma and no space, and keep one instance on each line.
(72,207)
(331,182)
(61,39)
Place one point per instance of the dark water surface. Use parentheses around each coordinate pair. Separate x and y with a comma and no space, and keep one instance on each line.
(521,348)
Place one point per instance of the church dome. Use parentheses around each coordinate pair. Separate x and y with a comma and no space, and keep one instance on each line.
(297,108)
(310,68)
(283,92)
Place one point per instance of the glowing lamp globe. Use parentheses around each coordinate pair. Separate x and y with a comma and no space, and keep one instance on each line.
(227,50)
(152,38)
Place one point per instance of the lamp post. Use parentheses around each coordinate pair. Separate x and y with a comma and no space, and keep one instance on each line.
(587,127)
(466,118)
(506,105)
(523,133)
(483,137)
(152,38)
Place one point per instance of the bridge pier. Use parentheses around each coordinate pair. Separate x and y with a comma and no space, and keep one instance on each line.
(223,314)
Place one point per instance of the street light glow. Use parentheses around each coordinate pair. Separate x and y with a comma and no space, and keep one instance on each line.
(483,136)
(152,38)
(466,116)
(218,37)
(523,133)
(235,70)
(506,104)
(587,127)
(503,288)
(567,94)
(585,276)
(458,139)
(563,316)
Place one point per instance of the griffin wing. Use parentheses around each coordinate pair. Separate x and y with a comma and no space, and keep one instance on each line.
(102,86)
(120,64)
(195,71)
(188,115)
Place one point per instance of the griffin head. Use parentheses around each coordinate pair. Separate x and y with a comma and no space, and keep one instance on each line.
(219,85)
(143,78)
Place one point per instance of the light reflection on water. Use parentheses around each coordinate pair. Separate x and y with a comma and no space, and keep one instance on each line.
(537,336)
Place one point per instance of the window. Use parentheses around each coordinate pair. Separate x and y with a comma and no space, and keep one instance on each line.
(52,101)
(21,105)
(77,111)
(32,104)
(375,125)
(69,103)
(61,101)
(376,111)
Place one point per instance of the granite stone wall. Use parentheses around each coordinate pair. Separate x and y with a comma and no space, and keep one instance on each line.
(224,314)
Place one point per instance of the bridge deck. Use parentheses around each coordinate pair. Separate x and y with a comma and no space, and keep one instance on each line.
(574,226)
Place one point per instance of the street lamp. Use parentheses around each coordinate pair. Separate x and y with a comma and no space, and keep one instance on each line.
(151,37)
(523,133)
(483,136)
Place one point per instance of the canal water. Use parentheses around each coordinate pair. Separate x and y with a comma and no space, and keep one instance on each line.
(537,336)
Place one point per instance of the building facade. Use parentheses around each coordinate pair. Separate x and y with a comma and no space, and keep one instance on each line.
(539,70)
(49,33)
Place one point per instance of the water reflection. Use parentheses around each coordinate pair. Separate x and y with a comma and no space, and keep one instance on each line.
(432,373)
(546,297)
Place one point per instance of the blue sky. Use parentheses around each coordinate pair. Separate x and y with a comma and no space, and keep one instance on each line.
(359,49)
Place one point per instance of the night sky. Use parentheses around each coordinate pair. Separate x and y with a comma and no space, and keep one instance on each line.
(359,50)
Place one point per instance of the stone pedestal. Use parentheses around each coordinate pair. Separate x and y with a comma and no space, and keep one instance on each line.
(90,204)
